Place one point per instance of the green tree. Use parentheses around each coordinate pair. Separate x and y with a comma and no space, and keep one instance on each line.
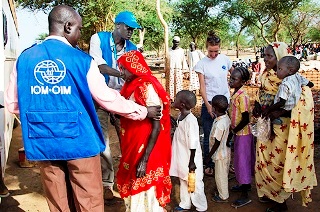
(98,15)
(268,16)
(194,18)
(301,21)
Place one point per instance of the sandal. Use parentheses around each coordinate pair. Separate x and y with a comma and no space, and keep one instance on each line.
(178,208)
(4,191)
(5,195)
(264,199)
(278,207)
(216,198)
(209,172)
(241,202)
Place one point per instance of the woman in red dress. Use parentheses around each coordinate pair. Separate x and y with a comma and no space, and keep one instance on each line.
(143,178)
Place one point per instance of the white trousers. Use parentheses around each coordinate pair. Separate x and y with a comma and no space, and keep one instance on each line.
(197,198)
(221,169)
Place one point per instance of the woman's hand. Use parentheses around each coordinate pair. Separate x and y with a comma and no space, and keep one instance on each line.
(256,110)
(209,109)
(141,168)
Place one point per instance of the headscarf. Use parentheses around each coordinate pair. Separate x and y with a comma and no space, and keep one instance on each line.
(134,62)
(281,49)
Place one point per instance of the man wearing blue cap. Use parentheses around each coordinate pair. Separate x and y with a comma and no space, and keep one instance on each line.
(106,48)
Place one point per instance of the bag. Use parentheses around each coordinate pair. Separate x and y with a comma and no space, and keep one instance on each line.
(261,129)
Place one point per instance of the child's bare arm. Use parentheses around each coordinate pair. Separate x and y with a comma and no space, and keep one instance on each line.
(212,151)
(244,122)
(310,84)
(274,107)
(192,165)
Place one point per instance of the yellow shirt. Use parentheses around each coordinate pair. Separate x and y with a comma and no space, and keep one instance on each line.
(239,103)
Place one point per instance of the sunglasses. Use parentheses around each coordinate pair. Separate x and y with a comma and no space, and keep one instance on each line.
(213,39)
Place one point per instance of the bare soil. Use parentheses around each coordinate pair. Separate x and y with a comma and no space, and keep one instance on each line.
(27,194)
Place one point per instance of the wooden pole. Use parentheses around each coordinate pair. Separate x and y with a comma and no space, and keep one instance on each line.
(166,46)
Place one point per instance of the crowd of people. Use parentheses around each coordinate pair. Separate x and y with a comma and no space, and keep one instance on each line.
(67,131)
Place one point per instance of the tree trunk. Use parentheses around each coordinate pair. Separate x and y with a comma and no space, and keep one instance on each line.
(166,46)
(141,36)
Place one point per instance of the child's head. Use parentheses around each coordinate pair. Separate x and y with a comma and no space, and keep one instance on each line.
(287,66)
(185,100)
(219,104)
(239,76)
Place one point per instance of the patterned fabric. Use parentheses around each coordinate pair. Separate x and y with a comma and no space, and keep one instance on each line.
(178,65)
(135,136)
(239,103)
(280,49)
(269,87)
(285,165)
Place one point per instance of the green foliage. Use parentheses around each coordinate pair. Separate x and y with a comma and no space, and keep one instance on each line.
(194,18)
(314,34)
(42,36)
(254,22)
(98,15)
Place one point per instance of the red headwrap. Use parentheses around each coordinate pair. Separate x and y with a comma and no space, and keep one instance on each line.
(134,62)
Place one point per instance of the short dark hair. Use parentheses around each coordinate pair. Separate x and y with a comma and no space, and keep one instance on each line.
(188,98)
(291,62)
(220,103)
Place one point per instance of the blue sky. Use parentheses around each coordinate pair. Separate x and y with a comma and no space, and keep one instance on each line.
(30,26)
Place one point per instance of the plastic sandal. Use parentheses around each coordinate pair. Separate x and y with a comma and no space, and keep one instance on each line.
(240,202)
(178,208)
(216,198)
(264,199)
(5,195)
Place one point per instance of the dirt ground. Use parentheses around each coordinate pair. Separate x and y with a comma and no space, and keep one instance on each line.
(27,194)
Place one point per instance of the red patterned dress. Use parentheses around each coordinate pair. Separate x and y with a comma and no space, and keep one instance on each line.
(153,190)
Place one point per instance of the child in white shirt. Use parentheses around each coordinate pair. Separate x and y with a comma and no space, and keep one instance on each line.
(187,154)
(220,152)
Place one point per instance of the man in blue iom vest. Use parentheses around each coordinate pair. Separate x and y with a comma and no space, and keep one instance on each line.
(106,48)
(53,86)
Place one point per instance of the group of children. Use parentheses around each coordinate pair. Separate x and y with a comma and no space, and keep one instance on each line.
(231,122)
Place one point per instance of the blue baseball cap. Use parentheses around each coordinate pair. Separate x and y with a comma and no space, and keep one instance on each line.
(128,19)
